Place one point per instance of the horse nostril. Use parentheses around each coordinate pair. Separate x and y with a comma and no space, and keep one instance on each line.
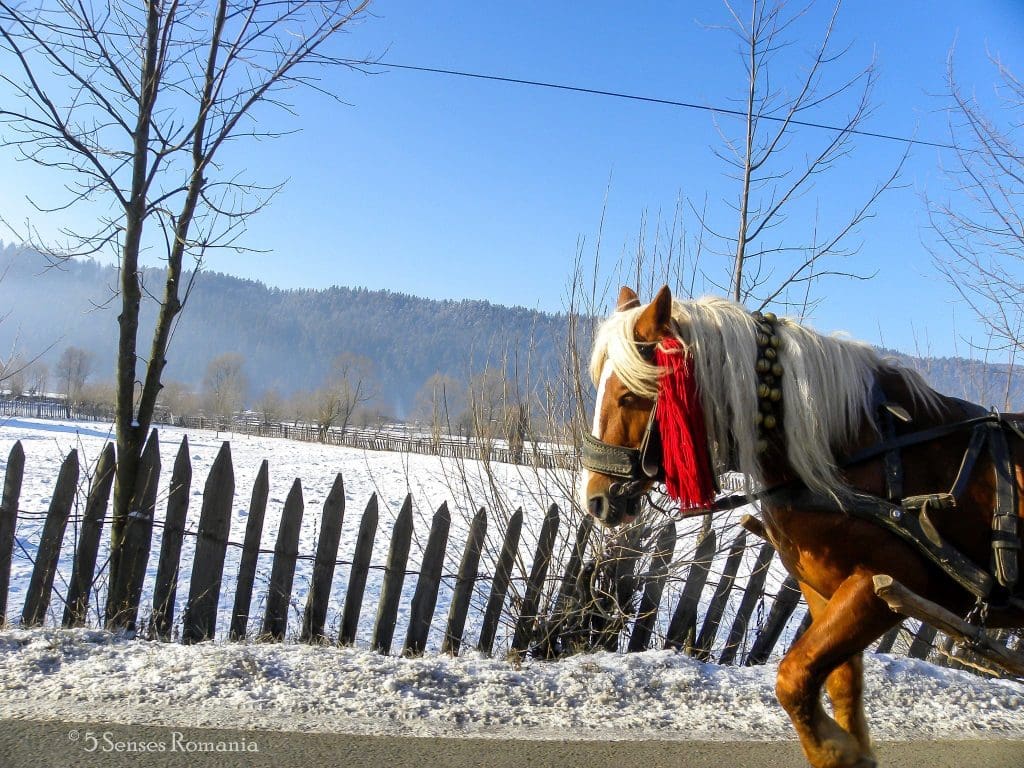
(597,506)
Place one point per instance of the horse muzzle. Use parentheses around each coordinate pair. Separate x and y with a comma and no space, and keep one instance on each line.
(612,508)
(632,470)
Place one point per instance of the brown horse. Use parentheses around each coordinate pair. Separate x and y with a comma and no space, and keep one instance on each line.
(860,470)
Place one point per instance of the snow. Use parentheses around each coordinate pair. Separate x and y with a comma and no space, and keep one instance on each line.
(93,675)
(72,674)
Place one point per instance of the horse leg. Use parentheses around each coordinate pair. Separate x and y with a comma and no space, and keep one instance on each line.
(845,688)
(842,627)
(845,685)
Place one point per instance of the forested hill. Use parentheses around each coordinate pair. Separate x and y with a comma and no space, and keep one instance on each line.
(288,339)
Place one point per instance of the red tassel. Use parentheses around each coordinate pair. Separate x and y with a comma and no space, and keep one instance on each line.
(684,439)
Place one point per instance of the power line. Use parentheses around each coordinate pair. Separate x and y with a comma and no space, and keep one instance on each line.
(651,100)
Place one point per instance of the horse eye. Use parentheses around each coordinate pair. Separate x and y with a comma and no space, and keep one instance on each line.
(628,399)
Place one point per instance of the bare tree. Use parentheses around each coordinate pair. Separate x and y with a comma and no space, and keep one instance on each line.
(484,417)
(271,405)
(13,374)
(979,219)
(37,375)
(99,396)
(225,386)
(439,401)
(73,369)
(299,408)
(134,103)
(179,399)
(775,160)
(348,386)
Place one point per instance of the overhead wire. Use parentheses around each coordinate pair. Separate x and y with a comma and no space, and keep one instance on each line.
(649,100)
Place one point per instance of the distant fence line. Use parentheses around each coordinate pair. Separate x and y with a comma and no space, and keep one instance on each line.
(612,604)
(397,438)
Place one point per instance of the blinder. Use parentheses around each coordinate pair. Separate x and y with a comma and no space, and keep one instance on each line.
(635,465)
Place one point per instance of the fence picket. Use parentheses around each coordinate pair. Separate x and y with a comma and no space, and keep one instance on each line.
(753,593)
(200,618)
(525,625)
(424,600)
(37,601)
(357,573)
(165,590)
(888,640)
(464,583)
(250,553)
(394,578)
(654,585)
(557,628)
(84,567)
(709,629)
(315,615)
(921,645)
(9,520)
(500,582)
(282,574)
(785,603)
(568,591)
(624,555)
(682,629)
(125,592)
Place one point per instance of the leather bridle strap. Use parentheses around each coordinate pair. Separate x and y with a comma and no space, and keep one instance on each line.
(620,461)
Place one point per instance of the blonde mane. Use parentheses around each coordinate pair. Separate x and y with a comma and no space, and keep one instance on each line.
(826,385)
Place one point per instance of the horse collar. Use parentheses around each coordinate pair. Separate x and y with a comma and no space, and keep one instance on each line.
(769,377)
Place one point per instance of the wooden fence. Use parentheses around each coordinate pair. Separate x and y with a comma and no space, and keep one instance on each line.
(555,607)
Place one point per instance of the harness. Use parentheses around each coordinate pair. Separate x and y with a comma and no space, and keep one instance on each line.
(909,518)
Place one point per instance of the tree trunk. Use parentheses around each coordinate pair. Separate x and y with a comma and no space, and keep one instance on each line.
(131,433)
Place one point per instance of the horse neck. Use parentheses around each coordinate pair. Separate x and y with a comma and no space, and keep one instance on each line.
(897,391)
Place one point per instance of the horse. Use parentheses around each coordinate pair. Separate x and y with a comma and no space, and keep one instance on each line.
(860,468)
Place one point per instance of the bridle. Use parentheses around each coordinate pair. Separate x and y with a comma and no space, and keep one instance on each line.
(636,468)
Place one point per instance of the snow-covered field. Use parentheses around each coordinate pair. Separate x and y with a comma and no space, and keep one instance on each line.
(89,674)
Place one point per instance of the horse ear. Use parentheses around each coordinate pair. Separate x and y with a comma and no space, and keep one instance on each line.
(653,322)
(627,299)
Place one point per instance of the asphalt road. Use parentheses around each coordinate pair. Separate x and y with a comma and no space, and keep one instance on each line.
(35,744)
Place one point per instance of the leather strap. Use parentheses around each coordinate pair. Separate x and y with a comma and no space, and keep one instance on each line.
(1005,522)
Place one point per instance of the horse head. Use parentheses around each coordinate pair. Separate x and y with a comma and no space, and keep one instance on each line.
(621,454)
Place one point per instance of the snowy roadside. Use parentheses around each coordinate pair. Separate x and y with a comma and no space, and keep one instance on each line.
(89,675)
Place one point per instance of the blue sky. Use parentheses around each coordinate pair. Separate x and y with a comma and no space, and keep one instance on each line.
(455,188)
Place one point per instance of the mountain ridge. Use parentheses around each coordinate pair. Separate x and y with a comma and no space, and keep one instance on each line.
(288,338)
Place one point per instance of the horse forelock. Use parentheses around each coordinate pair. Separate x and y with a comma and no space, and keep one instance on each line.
(615,342)
(826,385)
